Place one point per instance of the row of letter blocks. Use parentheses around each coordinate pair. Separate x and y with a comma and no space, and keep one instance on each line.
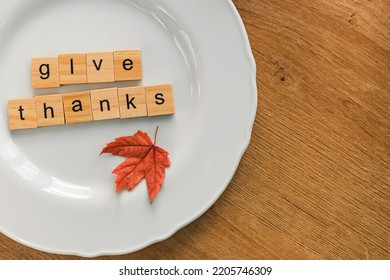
(103,67)
(93,105)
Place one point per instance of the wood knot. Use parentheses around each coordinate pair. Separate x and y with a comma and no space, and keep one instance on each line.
(351,18)
(281,71)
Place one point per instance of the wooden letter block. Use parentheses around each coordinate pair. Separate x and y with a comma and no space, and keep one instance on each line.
(105,104)
(159,100)
(100,67)
(77,107)
(50,110)
(132,102)
(127,65)
(22,113)
(45,72)
(72,68)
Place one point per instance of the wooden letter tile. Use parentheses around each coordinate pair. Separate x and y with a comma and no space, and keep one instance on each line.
(159,100)
(72,68)
(105,104)
(127,65)
(132,102)
(45,72)
(22,113)
(50,110)
(100,67)
(77,107)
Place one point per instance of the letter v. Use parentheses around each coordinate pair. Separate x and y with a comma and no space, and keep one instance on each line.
(98,66)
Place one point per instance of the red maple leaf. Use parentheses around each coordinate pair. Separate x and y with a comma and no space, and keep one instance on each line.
(143,159)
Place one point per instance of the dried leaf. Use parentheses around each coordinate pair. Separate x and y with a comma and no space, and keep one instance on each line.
(143,159)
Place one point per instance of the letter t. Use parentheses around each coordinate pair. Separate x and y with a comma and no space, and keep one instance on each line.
(21,112)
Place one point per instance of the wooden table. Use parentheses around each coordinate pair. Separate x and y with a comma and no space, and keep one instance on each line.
(315,180)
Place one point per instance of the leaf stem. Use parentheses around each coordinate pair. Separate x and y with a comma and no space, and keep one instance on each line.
(155,136)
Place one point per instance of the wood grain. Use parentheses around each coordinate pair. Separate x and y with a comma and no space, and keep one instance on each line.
(125,97)
(104,104)
(77,107)
(49,110)
(22,114)
(100,67)
(315,180)
(160,100)
(72,68)
(44,72)
(127,65)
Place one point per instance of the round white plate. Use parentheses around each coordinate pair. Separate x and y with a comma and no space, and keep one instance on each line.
(56,193)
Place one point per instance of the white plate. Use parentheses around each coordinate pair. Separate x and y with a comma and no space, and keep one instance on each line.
(56,193)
